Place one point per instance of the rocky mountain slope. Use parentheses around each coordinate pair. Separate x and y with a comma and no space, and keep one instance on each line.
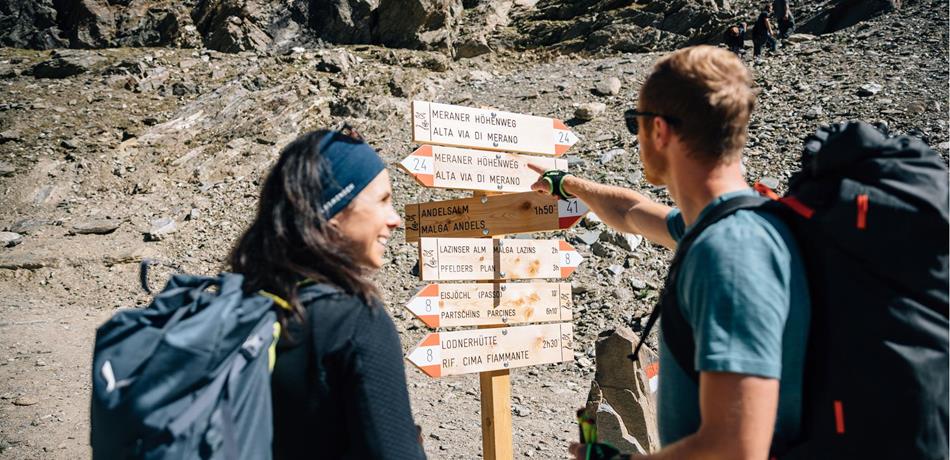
(111,155)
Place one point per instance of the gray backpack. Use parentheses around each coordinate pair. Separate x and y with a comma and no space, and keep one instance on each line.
(188,377)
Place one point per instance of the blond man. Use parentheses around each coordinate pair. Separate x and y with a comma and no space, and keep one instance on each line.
(741,286)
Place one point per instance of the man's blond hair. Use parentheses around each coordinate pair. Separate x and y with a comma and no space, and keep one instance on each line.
(708,92)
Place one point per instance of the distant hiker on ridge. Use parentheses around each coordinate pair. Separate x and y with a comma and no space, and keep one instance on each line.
(763,34)
(786,21)
(734,38)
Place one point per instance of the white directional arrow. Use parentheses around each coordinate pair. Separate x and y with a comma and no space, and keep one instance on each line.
(481,350)
(459,126)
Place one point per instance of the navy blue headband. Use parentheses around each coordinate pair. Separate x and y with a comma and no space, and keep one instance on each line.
(349,165)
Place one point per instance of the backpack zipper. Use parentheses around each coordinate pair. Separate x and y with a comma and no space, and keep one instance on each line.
(862,203)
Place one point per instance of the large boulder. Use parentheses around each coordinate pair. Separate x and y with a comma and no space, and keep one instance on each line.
(426,24)
(230,25)
(628,388)
(88,23)
(66,63)
(30,24)
(621,25)
(841,14)
(142,24)
(344,21)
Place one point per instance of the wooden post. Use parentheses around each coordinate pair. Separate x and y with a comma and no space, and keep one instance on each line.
(496,414)
(495,393)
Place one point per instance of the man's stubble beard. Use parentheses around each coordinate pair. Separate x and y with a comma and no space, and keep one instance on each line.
(653,163)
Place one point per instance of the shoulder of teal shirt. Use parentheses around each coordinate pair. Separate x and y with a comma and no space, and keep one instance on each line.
(677,226)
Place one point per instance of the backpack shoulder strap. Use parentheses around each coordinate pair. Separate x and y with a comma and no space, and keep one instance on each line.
(679,340)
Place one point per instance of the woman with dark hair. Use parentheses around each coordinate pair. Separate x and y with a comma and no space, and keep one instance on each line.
(323,221)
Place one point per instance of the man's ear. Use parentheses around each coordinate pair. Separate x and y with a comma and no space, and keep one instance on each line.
(662,134)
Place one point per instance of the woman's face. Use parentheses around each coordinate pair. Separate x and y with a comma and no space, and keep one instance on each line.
(369,220)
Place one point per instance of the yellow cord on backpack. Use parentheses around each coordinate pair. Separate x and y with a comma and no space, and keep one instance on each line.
(272,349)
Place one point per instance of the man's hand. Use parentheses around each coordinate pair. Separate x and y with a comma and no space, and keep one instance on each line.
(540,185)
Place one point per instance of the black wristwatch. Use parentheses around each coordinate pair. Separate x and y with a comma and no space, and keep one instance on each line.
(555,180)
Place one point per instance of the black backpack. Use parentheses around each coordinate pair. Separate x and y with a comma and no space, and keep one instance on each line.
(870,214)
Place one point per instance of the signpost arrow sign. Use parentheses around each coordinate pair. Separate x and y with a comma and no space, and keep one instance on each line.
(452,259)
(525,212)
(482,304)
(481,350)
(467,169)
(459,126)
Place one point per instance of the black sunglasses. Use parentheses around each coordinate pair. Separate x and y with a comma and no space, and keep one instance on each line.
(344,129)
(630,118)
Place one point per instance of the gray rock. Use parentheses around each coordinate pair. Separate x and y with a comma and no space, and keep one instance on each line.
(95,226)
(9,239)
(577,287)
(66,63)
(590,110)
(7,169)
(608,87)
(587,237)
(344,21)
(335,60)
(621,384)
(92,24)
(839,14)
(69,144)
(869,89)
(574,161)
(637,284)
(25,401)
(611,429)
(472,47)
(627,241)
(31,24)
(801,38)
(600,249)
(161,228)
(182,88)
(9,135)
(25,226)
(813,113)
(230,26)
(616,269)
(426,24)
(610,155)
(520,410)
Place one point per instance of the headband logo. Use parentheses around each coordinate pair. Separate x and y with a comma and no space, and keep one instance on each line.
(336,198)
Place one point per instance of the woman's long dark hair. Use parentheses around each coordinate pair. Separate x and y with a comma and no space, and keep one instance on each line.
(290,240)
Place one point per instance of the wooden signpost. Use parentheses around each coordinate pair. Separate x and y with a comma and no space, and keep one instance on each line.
(454,259)
(482,350)
(453,305)
(453,168)
(525,212)
(453,246)
(458,126)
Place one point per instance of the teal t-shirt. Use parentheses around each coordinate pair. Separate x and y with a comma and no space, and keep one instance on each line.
(742,288)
